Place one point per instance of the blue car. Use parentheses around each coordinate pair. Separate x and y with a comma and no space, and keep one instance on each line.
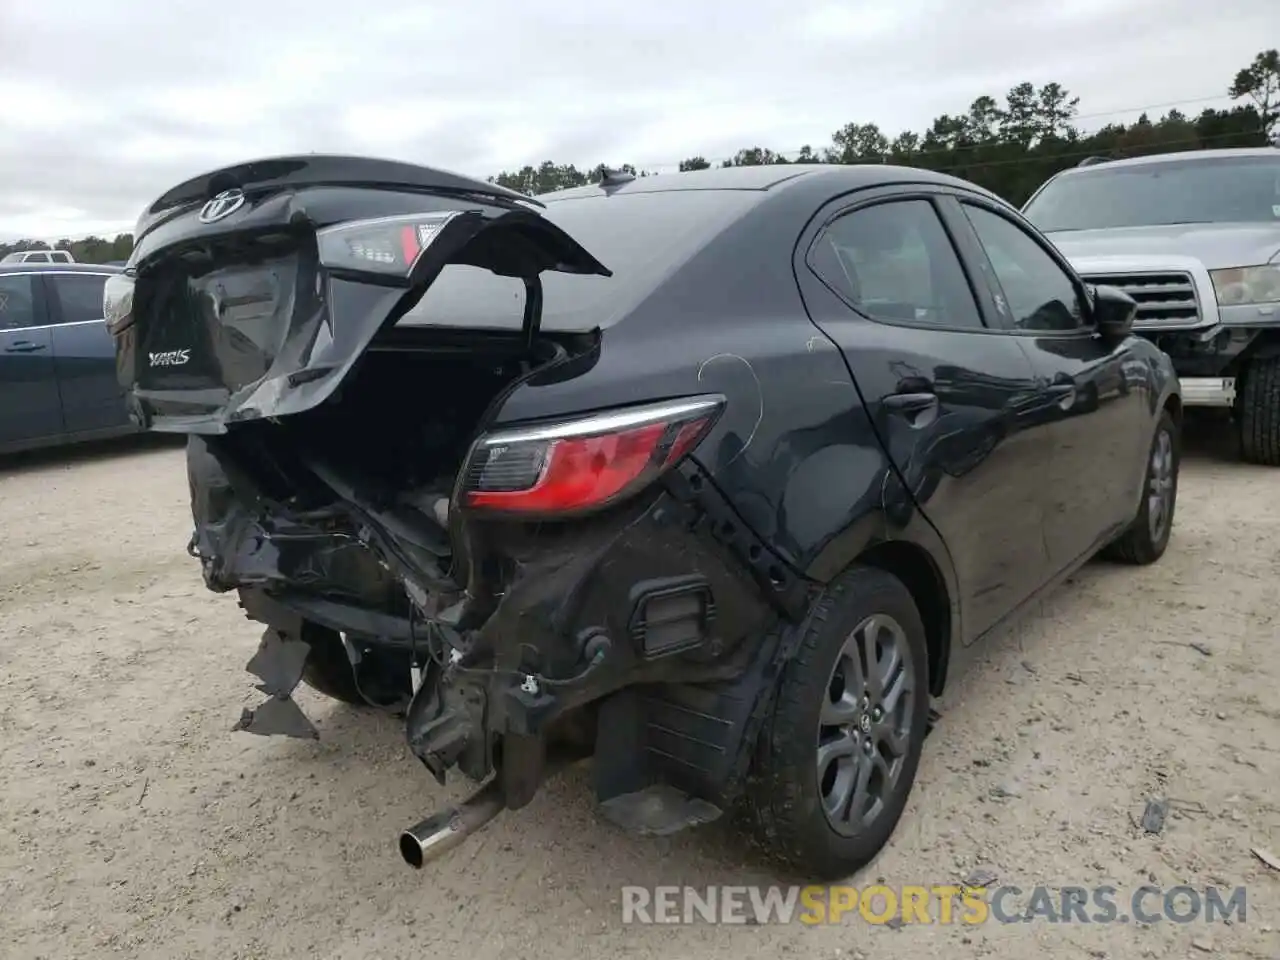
(57,362)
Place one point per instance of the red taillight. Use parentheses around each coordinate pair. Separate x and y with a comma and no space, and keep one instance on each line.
(584,464)
(409,245)
(384,246)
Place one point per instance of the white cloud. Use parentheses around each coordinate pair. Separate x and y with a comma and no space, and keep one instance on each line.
(854,22)
(104,106)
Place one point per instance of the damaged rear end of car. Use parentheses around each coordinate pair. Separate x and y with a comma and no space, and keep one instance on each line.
(520,590)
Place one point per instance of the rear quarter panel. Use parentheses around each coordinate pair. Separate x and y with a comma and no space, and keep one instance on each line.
(795,453)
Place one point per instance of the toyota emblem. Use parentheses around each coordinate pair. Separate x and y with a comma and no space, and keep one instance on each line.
(223,205)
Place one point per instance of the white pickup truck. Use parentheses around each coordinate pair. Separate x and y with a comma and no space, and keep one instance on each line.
(39,256)
(1194,237)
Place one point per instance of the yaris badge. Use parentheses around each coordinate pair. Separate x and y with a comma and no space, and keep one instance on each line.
(222,206)
(169,358)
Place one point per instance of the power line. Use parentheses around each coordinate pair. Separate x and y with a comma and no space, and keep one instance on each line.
(1070,155)
(648,165)
(1151,106)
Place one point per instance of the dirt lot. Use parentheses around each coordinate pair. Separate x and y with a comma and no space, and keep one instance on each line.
(133,822)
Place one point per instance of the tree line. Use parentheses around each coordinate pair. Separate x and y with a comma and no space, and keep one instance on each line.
(1008,146)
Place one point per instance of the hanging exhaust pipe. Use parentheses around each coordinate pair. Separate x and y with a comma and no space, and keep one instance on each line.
(441,832)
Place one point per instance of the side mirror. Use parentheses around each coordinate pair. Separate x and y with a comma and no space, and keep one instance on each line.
(1113,312)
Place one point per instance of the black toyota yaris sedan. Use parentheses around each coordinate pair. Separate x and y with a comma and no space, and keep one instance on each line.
(716,477)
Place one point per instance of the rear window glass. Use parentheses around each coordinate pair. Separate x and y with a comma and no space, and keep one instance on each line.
(641,237)
(1204,190)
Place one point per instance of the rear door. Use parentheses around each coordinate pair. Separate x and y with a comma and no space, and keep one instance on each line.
(84,353)
(1100,411)
(29,404)
(947,391)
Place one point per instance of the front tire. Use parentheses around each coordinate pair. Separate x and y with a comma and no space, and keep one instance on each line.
(1146,539)
(839,754)
(1259,413)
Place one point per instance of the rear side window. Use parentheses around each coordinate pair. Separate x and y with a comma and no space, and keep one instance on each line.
(1040,294)
(61,256)
(37,258)
(79,297)
(17,302)
(894,262)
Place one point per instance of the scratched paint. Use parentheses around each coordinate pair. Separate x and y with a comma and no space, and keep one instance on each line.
(759,396)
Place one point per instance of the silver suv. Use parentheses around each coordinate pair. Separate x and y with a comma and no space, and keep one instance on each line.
(1194,237)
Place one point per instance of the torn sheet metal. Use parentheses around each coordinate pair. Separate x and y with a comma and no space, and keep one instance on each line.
(278,663)
(277,716)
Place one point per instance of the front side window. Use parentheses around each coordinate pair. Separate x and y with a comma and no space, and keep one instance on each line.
(894,262)
(1037,294)
(80,297)
(17,302)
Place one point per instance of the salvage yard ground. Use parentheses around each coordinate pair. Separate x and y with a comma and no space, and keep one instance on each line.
(133,822)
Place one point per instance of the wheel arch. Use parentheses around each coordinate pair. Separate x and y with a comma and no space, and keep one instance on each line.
(1264,346)
(921,574)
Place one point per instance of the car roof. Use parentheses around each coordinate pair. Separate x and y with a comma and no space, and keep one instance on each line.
(1227,153)
(767,177)
(58,268)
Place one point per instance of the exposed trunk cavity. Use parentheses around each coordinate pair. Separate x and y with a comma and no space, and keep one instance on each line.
(350,501)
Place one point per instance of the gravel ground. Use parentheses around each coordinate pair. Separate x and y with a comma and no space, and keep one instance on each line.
(134,822)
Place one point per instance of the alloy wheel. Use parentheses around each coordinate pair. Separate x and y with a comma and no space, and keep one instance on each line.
(864,728)
(1160,485)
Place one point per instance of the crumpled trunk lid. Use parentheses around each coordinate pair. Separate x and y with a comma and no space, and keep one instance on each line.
(218,339)
(247,297)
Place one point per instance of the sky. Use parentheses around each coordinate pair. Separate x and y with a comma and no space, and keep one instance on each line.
(105,105)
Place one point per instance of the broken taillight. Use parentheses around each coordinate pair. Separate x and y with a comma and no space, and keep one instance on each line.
(386,246)
(583,464)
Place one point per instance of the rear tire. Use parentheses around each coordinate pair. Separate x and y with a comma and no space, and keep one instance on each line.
(1258,413)
(1146,539)
(808,788)
(328,670)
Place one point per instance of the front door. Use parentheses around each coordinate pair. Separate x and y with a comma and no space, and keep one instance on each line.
(1099,408)
(29,404)
(949,393)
